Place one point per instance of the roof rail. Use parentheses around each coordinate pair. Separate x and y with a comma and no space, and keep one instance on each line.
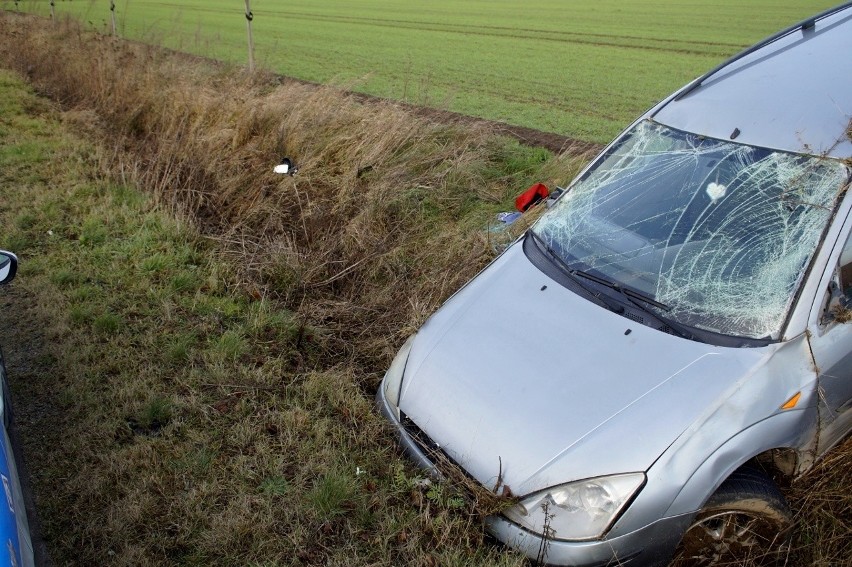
(803,25)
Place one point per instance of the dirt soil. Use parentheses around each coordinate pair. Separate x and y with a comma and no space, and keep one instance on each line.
(556,143)
(528,136)
(553,142)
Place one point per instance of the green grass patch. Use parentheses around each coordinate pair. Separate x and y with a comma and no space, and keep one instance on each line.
(156,413)
(179,348)
(106,324)
(332,495)
(274,486)
(229,346)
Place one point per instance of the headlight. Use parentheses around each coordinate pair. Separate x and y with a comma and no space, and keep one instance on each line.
(392,382)
(579,510)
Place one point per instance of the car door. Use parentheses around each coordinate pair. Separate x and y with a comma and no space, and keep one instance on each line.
(831,345)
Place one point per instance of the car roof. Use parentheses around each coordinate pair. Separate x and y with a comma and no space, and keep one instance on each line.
(791,92)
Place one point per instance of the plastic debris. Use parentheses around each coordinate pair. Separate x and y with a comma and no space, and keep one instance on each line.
(286,167)
(508,217)
(532,196)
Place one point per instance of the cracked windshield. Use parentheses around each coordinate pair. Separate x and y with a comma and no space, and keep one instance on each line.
(721,233)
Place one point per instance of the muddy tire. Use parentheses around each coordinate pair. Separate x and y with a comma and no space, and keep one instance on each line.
(746,523)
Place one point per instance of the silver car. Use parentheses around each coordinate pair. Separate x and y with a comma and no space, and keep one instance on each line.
(670,334)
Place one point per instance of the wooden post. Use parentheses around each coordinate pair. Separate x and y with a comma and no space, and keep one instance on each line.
(249,18)
(112,14)
(53,10)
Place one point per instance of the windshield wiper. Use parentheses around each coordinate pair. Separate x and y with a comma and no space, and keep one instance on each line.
(630,293)
(637,299)
(573,275)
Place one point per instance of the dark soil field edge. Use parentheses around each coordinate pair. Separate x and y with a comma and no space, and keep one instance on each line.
(551,141)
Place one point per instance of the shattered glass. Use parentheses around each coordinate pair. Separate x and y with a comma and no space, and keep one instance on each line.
(721,233)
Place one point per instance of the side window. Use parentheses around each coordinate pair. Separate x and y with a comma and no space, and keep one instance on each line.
(838,306)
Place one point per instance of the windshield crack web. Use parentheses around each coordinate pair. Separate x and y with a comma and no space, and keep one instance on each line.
(720,232)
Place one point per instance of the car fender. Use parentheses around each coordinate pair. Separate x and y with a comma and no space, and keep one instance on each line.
(738,425)
(677,487)
(789,429)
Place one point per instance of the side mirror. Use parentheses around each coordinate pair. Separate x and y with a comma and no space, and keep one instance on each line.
(8,266)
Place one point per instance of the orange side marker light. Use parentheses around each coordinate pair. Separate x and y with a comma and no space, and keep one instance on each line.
(791,403)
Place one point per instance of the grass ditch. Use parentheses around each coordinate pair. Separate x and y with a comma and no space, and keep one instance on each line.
(211,345)
(382,222)
(168,415)
(220,411)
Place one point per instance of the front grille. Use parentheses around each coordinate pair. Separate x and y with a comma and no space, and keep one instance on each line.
(423,441)
(432,450)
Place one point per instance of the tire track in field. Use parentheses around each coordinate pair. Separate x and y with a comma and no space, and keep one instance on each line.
(681,46)
(578,107)
(611,40)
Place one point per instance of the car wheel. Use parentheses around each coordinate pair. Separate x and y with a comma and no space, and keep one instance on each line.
(745,522)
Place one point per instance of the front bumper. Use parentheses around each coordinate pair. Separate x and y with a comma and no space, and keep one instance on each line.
(650,546)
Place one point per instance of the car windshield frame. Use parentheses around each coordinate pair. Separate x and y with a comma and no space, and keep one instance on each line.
(723,234)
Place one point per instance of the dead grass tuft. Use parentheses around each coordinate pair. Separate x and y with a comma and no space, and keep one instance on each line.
(823,509)
(842,314)
(384,220)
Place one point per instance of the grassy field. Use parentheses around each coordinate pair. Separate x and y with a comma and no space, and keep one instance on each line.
(581,68)
(194,342)
(169,417)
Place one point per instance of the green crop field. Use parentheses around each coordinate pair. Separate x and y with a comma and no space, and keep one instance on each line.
(581,68)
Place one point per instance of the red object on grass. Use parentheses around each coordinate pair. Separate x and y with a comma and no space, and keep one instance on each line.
(531,196)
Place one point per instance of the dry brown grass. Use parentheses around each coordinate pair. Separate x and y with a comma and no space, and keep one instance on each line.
(382,222)
(267,421)
(822,504)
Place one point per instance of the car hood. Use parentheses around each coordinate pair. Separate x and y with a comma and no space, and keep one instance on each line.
(521,379)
